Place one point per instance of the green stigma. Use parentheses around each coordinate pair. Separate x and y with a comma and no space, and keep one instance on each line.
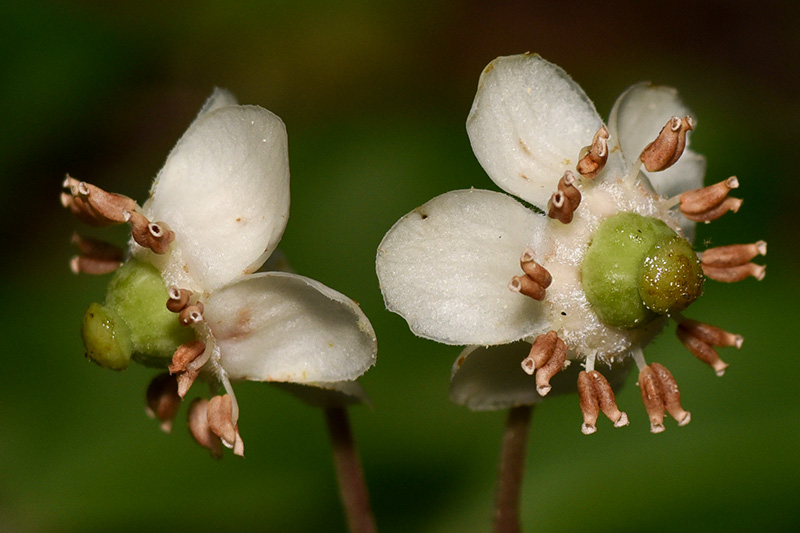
(134,322)
(637,268)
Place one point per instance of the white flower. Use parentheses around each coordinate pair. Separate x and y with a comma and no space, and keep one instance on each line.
(218,208)
(474,267)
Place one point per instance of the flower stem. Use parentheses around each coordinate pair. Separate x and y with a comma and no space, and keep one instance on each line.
(512,466)
(352,487)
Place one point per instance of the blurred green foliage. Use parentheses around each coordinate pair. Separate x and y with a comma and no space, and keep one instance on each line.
(375,95)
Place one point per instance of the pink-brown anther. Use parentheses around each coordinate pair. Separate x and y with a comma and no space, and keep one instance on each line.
(668,147)
(595,394)
(178,299)
(700,338)
(191,314)
(565,200)
(153,235)
(220,421)
(660,392)
(163,401)
(199,427)
(93,205)
(528,287)
(710,203)
(546,358)
(96,257)
(534,270)
(595,156)
(731,263)
(181,365)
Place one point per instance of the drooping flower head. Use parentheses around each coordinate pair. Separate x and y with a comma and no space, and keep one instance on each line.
(589,275)
(188,297)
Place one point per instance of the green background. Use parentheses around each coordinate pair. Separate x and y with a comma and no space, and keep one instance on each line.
(375,95)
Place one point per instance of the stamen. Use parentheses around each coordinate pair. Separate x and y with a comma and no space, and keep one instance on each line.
(735,273)
(182,365)
(93,205)
(734,255)
(700,200)
(671,395)
(546,358)
(199,427)
(596,155)
(153,235)
(178,299)
(96,257)
(191,314)
(728,204)
(596,394)
(567,186)
(565,200)
(652,399)
(527,286)
(668,147)
(534,270)
(699,339)
(220,421)
(710,203)
(163,401)
(711,335)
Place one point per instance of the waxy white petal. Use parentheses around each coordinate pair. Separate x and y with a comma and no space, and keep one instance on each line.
(528,124)
(219,98)
(325,395)
(277,326)
(445,267)
(224,191)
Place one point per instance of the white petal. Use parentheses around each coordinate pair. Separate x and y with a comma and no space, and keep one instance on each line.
(276,326)
(445,267)
(324,395)
(219,98)
(528,124)
(224,191)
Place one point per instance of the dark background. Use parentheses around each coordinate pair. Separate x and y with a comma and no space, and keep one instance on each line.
(375,95)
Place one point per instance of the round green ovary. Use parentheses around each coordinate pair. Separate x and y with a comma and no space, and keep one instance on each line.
(134,321)
(636,268)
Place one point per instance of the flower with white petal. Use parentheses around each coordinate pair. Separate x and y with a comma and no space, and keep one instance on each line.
(591,273)
(215,214)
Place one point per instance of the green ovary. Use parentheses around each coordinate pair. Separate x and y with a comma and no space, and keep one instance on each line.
(134,321)
(637,268)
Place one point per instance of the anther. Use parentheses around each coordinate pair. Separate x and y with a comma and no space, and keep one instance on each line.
(96,257)
(565,200)
(528,287)
(734,255)
(191,314)
(710,203)
(220,421)
(594,156)
(181,365)
(546,358)
(595,394)
(153,235)
(178,299)
(199,427)
(668,147)
(735,273)
(93,205)
(163,401)
(534,270)
(660,392)
(700,339)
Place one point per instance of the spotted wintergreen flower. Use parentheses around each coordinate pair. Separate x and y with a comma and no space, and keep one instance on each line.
(591,273)
(188,296)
